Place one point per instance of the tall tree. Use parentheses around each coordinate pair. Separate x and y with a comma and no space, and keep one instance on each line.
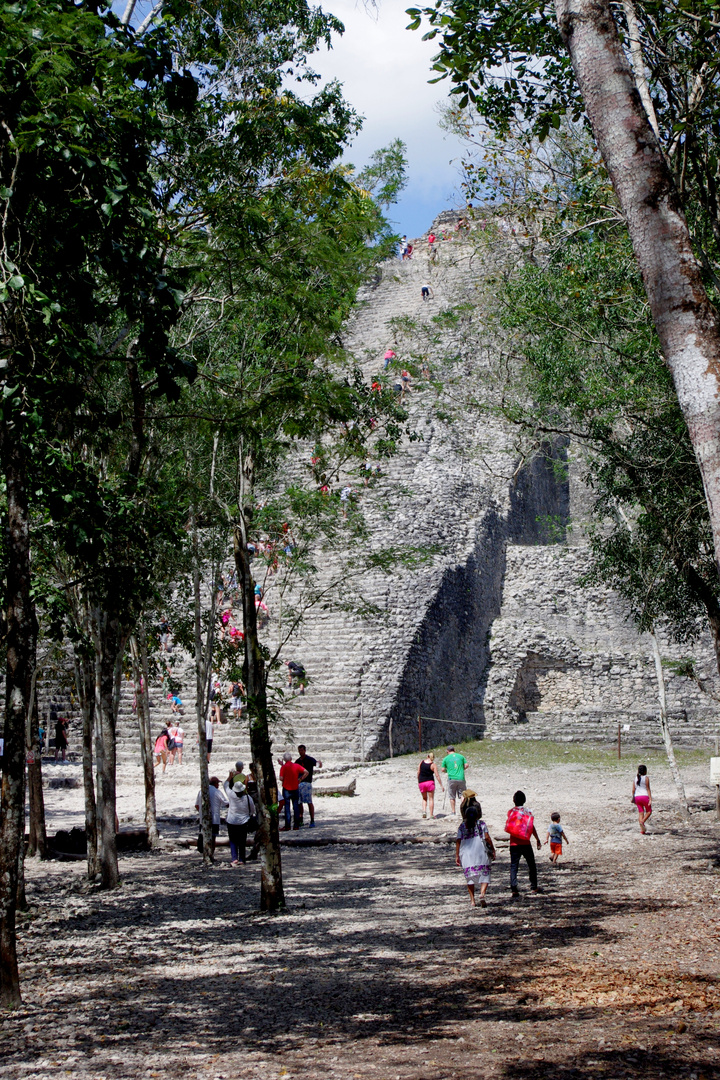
(477,35)
(75,144)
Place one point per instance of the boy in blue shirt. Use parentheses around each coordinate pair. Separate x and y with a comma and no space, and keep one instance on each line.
(555,837)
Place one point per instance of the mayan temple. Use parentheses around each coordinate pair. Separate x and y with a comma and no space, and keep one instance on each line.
(492,636)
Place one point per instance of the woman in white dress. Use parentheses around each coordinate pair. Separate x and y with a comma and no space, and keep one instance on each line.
(474,851)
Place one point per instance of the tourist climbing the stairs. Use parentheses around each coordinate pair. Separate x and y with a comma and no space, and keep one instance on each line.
(61,726)
(161,749)
(296,675)
(237,693)
(176,740)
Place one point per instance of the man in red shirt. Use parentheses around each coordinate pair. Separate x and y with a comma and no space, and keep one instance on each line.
(291,776)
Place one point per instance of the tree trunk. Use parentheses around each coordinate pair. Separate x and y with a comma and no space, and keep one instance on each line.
(272,896)
(638,63)
(20,641)
(138,650)
(85,686)
(108,656)
(697,584)
(686,322)
(202,671)
(667,739)
(37,843)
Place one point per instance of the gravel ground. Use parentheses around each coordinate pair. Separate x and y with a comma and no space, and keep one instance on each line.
(380,968)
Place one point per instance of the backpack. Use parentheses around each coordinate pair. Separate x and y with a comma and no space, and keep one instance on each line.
(520,823)
(236,689)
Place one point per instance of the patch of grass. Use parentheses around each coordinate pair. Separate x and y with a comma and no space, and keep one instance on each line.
(541,753)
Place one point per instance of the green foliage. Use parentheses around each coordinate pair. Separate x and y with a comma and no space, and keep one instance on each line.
(386,175)
(589,368)
(509,67)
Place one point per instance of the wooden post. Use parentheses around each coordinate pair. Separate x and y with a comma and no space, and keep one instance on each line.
(619,743)
(362,735)
(420,734)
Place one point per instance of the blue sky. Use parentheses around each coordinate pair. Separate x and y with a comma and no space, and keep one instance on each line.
(384,69)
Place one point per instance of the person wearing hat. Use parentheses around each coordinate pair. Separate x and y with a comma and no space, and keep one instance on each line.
(240,809)
(469,798)
(454,765)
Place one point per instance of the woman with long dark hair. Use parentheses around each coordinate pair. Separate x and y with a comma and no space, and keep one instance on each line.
(474,851)
(642,796)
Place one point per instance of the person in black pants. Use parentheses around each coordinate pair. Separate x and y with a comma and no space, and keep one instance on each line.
(522,849)
(241,808)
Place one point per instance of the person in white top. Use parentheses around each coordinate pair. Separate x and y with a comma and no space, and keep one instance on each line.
(642,796)
(217,802)
(176,735)
(209,728)
(240,809)
(179,741)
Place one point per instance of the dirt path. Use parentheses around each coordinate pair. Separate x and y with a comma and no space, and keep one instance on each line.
(380,968)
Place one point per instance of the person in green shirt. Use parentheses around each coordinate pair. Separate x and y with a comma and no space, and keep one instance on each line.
(454,765)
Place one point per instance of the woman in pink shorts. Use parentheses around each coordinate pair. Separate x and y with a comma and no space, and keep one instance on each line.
(642,796)
(428,773)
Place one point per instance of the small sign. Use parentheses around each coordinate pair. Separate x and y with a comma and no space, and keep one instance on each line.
(30,758)
(626,727)
(715,770)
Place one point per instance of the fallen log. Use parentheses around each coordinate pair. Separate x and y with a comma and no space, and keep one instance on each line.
(348,789)
(329,841)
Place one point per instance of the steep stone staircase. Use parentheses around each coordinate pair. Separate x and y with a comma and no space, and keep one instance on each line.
(489,633)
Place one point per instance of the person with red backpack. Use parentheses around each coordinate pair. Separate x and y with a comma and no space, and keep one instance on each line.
(521,826)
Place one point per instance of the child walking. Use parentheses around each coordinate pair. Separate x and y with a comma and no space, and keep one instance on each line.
(474,851)
(555,837)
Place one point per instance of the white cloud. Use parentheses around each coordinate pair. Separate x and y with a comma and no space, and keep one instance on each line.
(384,69)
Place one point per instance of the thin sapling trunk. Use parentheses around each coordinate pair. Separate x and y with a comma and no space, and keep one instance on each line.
(667,738)
(202,662)
(272,895)
(20,643)
(138,652)
(37,842)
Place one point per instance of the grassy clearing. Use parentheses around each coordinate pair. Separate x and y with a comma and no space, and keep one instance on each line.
(544,754)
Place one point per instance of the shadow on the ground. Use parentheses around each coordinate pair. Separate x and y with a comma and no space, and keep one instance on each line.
(354,959)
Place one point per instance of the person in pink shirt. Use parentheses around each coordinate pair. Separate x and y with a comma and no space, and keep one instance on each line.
(291,776)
